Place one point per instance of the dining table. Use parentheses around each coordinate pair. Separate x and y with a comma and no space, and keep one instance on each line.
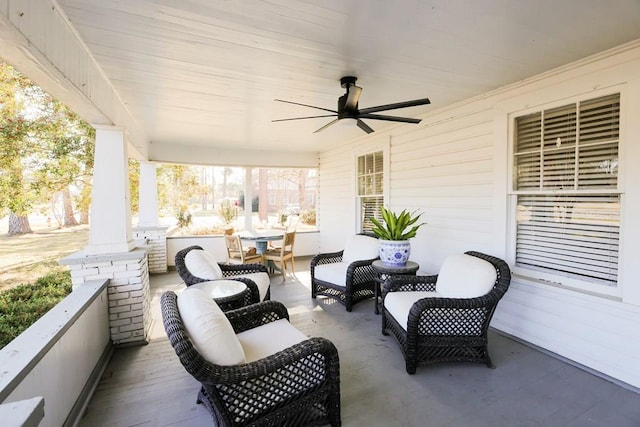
(261,238)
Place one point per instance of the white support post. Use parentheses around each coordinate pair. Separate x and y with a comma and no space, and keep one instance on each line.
(111,252)
(148,206)
(110,221)
(248,200)
(149,232)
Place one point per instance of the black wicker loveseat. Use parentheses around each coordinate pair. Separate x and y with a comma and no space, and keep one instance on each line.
(297,386)
(229,271)
(432,328)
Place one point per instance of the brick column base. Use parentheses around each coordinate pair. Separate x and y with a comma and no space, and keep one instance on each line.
(128,291)
(155,240)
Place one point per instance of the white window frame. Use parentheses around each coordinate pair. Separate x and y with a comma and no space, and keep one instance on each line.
(512,196)
(384,147)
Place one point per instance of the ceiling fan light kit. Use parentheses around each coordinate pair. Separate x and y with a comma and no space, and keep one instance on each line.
(348,108)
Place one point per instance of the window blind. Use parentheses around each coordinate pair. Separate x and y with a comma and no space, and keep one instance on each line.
(370,188)
(574,236)
(566,177)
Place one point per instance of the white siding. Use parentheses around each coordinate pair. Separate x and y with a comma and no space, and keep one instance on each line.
(454,167)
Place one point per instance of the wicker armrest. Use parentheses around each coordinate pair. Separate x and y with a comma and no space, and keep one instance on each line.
(487,300)
(255,315)
(405,283)
(361,271)
(326,258)
(235,269)
(320,354)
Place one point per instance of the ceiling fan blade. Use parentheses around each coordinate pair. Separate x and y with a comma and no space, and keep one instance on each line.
(353,95)
(389,118)
(302,118)
(362,125)
(405,104)
(306,105)
(327,125)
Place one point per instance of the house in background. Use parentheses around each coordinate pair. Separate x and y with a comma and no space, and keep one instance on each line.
(527,151)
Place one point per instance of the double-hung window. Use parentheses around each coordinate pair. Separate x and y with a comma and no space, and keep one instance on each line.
(370,178)
(565,192)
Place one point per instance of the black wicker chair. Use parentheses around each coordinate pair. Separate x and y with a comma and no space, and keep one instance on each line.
(228,271)
(444,329)
(360,280)
(294,387)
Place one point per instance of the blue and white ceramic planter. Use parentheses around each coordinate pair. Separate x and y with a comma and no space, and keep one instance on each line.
(394,252)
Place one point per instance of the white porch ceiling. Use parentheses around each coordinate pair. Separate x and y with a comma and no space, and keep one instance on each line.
(206,72)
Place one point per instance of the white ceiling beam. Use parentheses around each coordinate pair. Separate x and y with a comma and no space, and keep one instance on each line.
(201,155)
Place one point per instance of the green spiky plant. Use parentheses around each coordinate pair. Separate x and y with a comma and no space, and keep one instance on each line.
(395,226)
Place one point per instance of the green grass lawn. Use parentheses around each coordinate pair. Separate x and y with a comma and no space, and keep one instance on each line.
(31,280)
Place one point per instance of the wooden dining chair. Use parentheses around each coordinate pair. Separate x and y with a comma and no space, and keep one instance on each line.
(236,254)
(284,254)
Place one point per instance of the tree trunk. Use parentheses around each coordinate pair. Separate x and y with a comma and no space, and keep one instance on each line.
(302,189)
(18,225)
(263,195)
(85,201)
(69,217)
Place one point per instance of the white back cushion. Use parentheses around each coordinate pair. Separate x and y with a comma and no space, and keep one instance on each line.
(359,248)
(465,276)
(202,264)
(269,339)
(208,328)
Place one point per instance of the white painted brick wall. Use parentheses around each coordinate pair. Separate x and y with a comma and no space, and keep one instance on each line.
(128,291)
(156,243)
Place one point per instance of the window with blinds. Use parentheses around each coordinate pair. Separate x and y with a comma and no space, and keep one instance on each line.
(565,181)
(370,176)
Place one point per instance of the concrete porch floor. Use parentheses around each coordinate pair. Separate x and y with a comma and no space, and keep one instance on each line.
(147,386)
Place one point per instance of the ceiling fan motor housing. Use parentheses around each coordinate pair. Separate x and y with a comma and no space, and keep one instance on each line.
(347,81)
(343,112)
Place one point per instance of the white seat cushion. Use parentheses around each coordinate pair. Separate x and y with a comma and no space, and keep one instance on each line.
(208,328)
(465,276)
(398,304)
(360,248)
(261,280)
(335,273)
(269,339)
(202,264)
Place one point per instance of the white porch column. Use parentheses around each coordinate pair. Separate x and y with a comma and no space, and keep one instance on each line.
(149,232)
(248,199)
(110,218)
(111,253)
(148,203)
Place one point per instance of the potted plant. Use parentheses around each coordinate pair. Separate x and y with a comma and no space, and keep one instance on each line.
(394,234)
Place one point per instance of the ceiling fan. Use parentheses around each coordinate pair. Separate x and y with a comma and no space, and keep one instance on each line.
(348,108)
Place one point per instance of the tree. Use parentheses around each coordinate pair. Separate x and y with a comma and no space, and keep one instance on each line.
(15,132)
(134,185)
(177,185)
(45,149)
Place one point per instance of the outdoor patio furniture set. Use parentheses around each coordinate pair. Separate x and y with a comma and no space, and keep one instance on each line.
(255,368)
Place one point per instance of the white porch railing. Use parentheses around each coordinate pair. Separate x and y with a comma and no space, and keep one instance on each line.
(60,357)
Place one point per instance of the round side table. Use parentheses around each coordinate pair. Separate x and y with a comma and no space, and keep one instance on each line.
(384,271)
(229,294)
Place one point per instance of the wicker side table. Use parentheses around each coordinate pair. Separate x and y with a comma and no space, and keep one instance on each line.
(384,271)
(229,294)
